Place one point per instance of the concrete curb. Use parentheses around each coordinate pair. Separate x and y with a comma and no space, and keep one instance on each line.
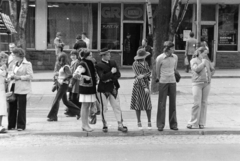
(123,78)
(114,133)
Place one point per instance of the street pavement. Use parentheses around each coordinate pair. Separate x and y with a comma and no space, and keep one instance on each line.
(222,115)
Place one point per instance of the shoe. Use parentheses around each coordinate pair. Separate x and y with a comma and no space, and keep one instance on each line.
(87,129)
(122,128)
(105,129)
(52,119)
(160,129)
(11,128)
(69,114)
(149,125)
(201,127)
(19,129)
(189,126)
(78,117)
(140,126)
(2,129)
(174,128)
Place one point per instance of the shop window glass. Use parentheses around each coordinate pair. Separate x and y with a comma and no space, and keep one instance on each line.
(208,13)
(110,26)
(30,26)
(228,28)
(184,29)
(72,19)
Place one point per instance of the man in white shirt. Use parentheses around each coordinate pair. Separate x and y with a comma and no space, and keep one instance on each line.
(11,60)
(85,39)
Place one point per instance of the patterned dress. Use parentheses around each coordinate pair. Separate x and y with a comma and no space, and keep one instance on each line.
(140,99)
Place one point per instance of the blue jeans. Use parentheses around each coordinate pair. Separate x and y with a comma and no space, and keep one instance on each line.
(164,90)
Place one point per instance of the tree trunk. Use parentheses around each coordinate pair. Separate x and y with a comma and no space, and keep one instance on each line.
(13,16)
(22,23)
(160,35)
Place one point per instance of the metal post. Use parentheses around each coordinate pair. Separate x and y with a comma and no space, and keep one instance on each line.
(199,21)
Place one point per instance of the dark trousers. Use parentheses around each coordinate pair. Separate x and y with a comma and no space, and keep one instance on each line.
(164,90)
(61,94)
(188,67)
(17,112)
(74,98)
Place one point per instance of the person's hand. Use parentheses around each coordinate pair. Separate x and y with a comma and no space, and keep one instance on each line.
(16,77)
(140,76)
(204,61)
(86,77)
(146,90)
(157,80)
(114,70)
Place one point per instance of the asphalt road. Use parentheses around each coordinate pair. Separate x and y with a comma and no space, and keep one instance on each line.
(151,148)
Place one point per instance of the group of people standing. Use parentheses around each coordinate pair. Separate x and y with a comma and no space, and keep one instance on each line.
(16,74)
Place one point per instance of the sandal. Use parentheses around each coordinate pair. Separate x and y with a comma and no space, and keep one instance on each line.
(201,126)
(189,126)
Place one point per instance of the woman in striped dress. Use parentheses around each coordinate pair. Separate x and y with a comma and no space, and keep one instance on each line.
(141,95)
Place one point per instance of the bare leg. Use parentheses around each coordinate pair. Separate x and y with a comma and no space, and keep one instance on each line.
(85,114)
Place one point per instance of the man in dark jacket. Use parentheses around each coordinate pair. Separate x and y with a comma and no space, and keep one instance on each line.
(108,86)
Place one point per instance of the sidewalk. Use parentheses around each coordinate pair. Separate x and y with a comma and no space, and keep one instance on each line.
(222,115)
(127,73)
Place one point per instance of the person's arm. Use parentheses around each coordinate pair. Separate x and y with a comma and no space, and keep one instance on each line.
(29,74)
(136,70)
(175,67)
(197,67)
(158,67)
(67,72)
(212,69)
(186,49)
(116,75)
(102,75)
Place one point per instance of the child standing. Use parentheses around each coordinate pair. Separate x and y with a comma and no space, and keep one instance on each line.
(3,100)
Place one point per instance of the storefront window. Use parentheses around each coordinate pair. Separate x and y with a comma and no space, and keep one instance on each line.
(30,26)
(208,12)
(184,28)
(228,28)
(110,26)
(72,19)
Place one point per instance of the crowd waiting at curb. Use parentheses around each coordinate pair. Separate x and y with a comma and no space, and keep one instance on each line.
(91,85)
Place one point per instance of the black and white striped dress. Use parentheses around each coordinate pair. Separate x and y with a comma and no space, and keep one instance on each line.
(140,99)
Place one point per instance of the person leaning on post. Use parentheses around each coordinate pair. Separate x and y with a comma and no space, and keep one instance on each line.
(202,71)
(21,76)
(166,64)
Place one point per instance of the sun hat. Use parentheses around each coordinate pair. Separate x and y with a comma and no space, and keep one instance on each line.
(141,54)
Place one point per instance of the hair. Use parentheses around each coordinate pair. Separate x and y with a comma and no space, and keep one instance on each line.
(12,44)
(19,52)
(84,53)
(3,55)
(167,45)
(59,34)
(79,37)
(64,56)
(191,34)
(84,33)
(74,52)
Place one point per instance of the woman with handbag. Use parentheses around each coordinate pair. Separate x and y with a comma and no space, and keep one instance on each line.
(63,78)
(3,101)
(202,71)
(87,86)
(21,77)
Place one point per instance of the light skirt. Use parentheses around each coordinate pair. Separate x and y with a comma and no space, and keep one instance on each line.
(87,98)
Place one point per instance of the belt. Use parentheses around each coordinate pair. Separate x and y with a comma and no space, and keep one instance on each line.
(109,80)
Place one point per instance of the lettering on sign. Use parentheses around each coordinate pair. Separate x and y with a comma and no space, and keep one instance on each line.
(133,12)
(111,12)
(107,26)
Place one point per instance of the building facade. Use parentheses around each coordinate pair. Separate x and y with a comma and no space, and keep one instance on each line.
(108,22)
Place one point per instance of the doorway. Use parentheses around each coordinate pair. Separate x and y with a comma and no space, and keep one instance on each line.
(207,33)
(132,38)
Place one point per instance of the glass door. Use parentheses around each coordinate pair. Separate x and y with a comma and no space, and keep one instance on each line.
(207,34)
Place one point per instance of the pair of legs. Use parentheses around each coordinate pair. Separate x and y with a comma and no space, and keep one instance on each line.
(17,112)
(199,110)
(115,103)
(85,115)
(189,57)
(164,90)
(61,94)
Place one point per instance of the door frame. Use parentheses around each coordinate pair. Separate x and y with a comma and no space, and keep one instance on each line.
(214,24)
(122,36)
